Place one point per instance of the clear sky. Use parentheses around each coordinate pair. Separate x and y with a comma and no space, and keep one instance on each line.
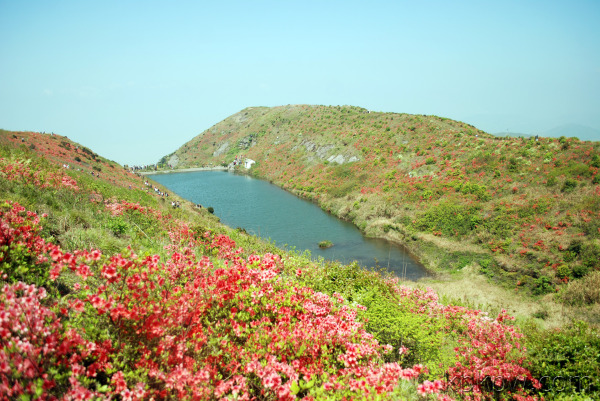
(134,80)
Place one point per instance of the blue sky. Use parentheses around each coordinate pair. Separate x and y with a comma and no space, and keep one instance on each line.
(134,80)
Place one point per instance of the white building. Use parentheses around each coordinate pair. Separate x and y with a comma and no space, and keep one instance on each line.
(248,163)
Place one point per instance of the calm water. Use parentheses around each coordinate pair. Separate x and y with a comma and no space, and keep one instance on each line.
(268,211)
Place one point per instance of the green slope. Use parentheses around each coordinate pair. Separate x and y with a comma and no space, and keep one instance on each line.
(526,213)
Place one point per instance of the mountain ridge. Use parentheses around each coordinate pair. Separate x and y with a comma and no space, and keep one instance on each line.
(582,132)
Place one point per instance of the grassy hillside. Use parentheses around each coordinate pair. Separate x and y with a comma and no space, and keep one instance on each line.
(62,151)
(525,213)
(107,292)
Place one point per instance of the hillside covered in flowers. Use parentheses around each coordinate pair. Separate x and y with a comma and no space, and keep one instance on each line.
(107,292)
(524,211)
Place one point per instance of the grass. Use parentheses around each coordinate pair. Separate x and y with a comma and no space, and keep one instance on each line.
(471,289)
(583,292)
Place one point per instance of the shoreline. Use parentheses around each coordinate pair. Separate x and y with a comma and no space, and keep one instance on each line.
(184,170)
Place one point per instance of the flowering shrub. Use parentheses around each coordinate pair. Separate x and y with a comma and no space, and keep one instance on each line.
(232,330)
(186,328)
(486,358)
(489,357)
(23,171)
(21,248)
(39,359)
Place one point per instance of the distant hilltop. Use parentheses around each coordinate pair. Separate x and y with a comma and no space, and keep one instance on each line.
(312,133)
(581,132)
(325,133)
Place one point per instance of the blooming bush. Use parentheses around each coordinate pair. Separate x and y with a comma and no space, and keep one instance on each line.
(489,356)
(187,328)
(22,250)
(487,364)
(41,360)
(23,171)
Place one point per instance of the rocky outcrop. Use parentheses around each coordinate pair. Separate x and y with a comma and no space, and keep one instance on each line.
(323,153)
(247,142)
(319,151)
(221,149)
(173,161)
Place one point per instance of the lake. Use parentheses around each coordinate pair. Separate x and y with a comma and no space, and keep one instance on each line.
(267,211)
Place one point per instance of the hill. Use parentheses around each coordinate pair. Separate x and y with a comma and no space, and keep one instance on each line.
(578,131)
(61,150)
(525,213)
(514,134)
(109,292)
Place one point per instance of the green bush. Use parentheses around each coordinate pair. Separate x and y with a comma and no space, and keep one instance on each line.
(592,228)
(582,292)
(590,255)
(565,360)
(449,218)
(513,165)
(526,211)
(563,271)
(579,169)
(569,256)
(344,189)
(117,225)
(500,224)
(542,285)
(569,186)
(479,190)
(580,271)
(391,322)
(457,260)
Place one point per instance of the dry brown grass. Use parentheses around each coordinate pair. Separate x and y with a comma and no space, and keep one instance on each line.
(583,292)
(450,244)
(472,289)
